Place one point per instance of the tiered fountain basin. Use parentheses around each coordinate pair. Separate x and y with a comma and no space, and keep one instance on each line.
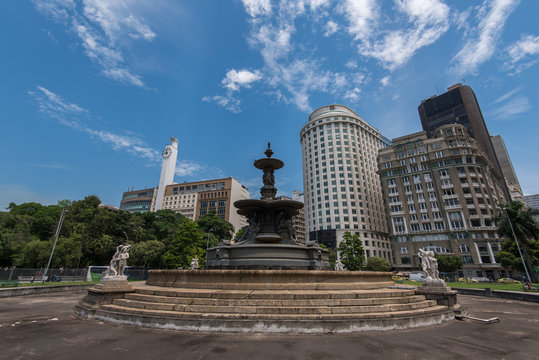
(268,301)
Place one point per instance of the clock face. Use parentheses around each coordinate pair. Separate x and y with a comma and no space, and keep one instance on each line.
(167,152)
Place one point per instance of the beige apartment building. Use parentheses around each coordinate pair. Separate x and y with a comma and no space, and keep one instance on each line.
(195,199)
(441,195)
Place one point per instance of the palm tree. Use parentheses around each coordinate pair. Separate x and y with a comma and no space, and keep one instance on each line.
(522,225)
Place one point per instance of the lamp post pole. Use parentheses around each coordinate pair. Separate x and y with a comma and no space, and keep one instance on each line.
(207,243)
(518,246)
(44,276)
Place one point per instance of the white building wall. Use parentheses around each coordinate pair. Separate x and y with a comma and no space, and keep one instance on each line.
(341,187)
(237,192)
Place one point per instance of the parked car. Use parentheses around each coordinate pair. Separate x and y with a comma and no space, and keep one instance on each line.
(397,278)
(467,280)
(508,281)
(520,278)
(418,277)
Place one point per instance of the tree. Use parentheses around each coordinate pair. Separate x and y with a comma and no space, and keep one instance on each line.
(332,255)
(351,252)
(448,263)
(375,263)
(148,254)
(221,228)
(510,258)
(187,244)
(514,216)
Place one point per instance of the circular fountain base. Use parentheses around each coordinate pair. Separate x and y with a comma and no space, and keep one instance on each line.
(265,301)
(267,257)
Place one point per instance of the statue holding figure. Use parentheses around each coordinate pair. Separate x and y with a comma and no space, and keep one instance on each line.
(194,264)
(119,262)
(430,265)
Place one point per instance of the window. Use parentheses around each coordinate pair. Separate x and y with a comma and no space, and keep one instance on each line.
(404,250)
(464,248)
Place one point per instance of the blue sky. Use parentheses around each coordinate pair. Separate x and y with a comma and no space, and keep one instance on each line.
(92,90)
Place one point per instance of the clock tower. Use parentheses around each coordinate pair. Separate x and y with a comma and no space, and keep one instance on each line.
(169,155)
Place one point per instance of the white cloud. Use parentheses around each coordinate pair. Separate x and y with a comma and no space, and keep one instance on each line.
(331,28)
(512,108)
(362,16)
(429,21)
(257,7)
(385,80)
(520,52)
(58,10)
(482,45)
(229,101)
(351,64)
(235,79)
(352,95)
(507,95)
(188,168)
(74,116)
(509,105)
(115,18)
(104,28)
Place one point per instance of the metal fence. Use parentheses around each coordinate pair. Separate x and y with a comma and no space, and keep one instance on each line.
(59,275)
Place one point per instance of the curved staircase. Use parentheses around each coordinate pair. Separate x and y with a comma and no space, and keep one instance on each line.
(308,302)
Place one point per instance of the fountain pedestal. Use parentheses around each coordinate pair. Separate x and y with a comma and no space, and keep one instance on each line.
(269,241)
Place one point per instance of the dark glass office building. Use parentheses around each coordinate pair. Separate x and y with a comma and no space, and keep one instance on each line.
(459,106)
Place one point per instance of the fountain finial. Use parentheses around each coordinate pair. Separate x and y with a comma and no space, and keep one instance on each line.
(269,152)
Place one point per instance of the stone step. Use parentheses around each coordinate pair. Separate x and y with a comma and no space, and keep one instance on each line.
(396,313)
(274,294)
(251,309)
(256,301)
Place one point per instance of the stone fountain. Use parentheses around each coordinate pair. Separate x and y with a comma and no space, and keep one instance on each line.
(268,281)
(269,242)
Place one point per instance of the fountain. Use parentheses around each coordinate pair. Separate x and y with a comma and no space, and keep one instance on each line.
(268,281)
(269,242)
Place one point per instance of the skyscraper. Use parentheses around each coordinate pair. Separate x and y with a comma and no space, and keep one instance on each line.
(458,106)
(508,172)
(168,168)
(441,194)
(341,187)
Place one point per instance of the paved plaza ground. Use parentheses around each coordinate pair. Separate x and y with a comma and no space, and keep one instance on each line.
(43,327)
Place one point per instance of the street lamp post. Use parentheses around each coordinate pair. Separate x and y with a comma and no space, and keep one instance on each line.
(207,243)
(44,276)
(518,246)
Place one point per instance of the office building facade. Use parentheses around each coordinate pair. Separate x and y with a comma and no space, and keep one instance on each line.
(139,200)
(458,105)
(508,172)
(341,186)
(196,199)
(441,194)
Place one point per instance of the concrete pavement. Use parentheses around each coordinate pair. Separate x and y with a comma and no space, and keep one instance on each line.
(43,327)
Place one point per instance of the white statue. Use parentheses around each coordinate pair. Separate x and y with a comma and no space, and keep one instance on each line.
(194,264)
(430,265)
(338,265)
(118,263)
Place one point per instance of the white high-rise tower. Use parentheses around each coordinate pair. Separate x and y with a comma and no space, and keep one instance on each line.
(169,155)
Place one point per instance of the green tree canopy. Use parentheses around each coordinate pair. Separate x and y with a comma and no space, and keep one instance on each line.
(221,228)
(375,263)
(351,252)
(448,263)
(148,254)
(187,244)
(515,216)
